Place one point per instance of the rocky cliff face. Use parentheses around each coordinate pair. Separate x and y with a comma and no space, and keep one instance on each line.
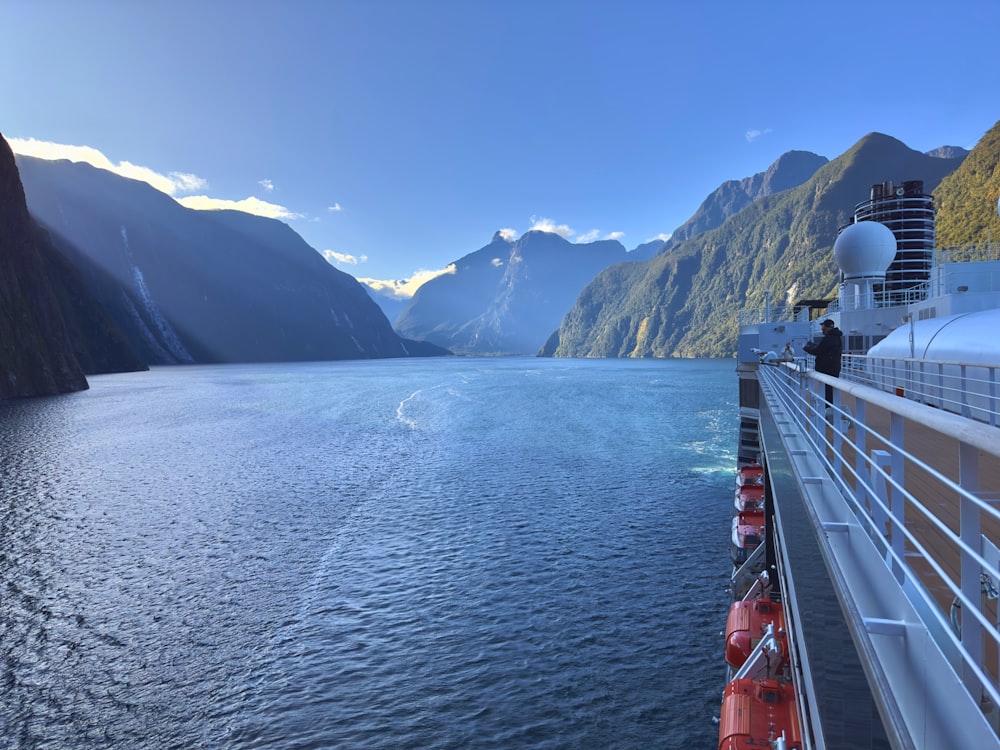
(36,354)
(204,286)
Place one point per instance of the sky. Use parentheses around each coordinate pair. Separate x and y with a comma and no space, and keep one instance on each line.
(396,136)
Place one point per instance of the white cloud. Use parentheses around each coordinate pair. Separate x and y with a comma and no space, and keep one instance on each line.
(753,135)
(547,225)
(406,288)
(249,205)
(187,183)
(173,184)
(335,207)
(266,184)
(662,236)
(496,262)
(333,258)
(595,234)
(508,234)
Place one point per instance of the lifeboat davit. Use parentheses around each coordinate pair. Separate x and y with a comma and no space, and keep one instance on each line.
(749,497)
(750,474)
(747,535)
(759,714)
(747,624)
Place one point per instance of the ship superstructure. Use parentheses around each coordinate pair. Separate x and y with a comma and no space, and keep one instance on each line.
(881,510)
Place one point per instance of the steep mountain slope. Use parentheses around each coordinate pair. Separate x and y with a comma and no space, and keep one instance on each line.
(789,170)
(506,297)
(52,330)
(966,200)
(684,302)
(36,356)
(99,344)
(199,286)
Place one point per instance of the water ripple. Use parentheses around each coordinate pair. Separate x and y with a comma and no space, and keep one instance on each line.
(272,556)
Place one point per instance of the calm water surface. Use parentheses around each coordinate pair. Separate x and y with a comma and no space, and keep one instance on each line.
(461,553)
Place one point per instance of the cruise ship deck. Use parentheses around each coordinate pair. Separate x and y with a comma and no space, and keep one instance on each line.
(883,533)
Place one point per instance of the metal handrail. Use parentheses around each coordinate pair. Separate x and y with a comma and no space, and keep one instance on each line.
(970,390)
(876,492)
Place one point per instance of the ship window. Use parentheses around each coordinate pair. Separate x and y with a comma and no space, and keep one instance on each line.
(770,696)
(856,344)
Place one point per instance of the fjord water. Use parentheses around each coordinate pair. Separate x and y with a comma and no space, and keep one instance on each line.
(440,553)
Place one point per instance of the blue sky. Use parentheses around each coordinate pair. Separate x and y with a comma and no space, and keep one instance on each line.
(398,135)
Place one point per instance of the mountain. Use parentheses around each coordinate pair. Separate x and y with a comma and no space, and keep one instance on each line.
(35,353)
(52,331)
(647,250)
(789,170)
(203,286)
(99,344)
(966,200)
(684,302)
(948,152)
(506,297)
(391,306)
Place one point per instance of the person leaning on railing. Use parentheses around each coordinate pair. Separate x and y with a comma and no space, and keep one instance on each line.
(827,352)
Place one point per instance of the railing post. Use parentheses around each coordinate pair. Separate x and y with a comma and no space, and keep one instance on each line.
(838,435)
(964,391)
(970,569)
(993,396)
(991,553)
(897,505)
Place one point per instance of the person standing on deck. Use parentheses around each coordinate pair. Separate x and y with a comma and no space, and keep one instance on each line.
(827,352)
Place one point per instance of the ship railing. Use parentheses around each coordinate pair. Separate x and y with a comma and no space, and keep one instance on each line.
(772,314)
(969,390)
(985,251)
(904,498)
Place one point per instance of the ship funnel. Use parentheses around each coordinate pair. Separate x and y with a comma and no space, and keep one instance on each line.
(863,252)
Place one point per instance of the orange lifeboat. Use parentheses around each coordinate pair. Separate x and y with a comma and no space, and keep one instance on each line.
(759,714)
(747,624)
(749,497)
(750,474)
(747,535)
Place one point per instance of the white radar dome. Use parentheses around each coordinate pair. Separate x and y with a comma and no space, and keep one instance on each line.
(865,248)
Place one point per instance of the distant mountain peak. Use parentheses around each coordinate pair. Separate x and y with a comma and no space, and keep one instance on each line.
(506,298)
(948,152)
(789,170)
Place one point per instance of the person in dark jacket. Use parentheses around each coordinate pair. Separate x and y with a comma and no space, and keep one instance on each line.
(827,352)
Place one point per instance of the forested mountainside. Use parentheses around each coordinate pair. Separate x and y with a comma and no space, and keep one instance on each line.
(789,170)
(684,302)
(507,297)
(204,286)
(966,200)
(52,331)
